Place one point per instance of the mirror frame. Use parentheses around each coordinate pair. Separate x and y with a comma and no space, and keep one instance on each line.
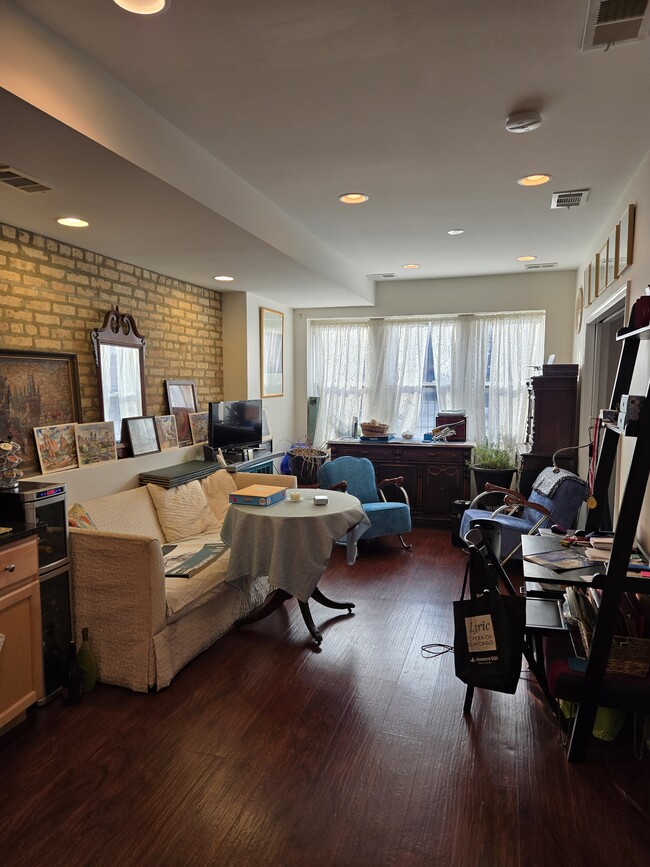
(119,329)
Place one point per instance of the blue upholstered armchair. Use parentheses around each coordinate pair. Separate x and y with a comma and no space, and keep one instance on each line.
(387,514)
(556,498)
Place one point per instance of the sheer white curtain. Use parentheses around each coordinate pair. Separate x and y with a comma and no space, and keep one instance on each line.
(338,362)
(394,374)
(517,347)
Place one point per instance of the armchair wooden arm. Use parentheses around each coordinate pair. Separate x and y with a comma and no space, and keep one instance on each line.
(339,486)
(398,480)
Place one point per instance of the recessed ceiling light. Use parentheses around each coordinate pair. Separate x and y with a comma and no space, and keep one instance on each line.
(353,198)
(74,222)
(456,232)
(224,278)
(411,266)
(143,7)
(533,180)
(526,258)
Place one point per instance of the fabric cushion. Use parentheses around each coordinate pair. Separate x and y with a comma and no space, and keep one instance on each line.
(79,518)
(131,512)
(183,511)
(216,488)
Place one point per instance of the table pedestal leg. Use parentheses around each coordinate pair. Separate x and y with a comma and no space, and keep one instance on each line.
(329,603)
(309,622)
(270,604)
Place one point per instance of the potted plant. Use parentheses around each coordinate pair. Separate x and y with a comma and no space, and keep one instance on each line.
(304,460)
(492,463)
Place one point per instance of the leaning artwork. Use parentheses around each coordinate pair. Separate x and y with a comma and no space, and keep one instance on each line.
(167,434)
(56,447)
(199,427)
(95,443)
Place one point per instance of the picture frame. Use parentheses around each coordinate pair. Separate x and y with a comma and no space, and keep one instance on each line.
(612,256)
(95,442)
(167,431)
(625,246)
(580,303)
(603,262)
(56,446)
(587,286)
(142,435)
(182,400)
(199,427)
(37,389)
(594,274)
(266,430)
(271,353)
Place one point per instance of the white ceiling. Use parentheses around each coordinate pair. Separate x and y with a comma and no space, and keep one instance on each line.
(215,137)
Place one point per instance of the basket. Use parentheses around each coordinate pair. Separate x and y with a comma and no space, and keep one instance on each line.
(627,655)
(370,429)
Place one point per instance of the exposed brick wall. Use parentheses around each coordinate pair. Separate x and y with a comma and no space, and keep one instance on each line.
(52,295)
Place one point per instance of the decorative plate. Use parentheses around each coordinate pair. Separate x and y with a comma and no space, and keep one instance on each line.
(579,306)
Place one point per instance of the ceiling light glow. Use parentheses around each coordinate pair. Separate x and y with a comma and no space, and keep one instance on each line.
(73,222)
(411,266)
(353,198)
(456,232)
(143,7)
(224,278)
(526,258)
(534,180)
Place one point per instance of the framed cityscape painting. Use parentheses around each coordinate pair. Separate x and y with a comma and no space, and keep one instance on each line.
(56,446)
(95,443)
(37,389)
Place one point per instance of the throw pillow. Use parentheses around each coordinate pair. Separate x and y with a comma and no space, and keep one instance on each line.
(183,511)
(79,518)
(216,488)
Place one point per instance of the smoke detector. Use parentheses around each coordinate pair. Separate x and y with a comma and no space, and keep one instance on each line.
(569,199)
(523,121)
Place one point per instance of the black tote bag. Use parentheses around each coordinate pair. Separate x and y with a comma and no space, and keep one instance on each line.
(488,631)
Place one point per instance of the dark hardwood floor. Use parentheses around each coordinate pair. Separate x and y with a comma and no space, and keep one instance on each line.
(267,751)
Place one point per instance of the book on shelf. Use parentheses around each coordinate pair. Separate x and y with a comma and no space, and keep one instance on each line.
(604,543)
(188,563)
(258,495)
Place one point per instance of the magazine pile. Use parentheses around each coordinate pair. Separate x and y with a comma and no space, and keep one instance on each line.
(183,563)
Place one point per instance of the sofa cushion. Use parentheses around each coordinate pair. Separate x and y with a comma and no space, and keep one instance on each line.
(131,512)
(79,518)
(216,488)
(183,511)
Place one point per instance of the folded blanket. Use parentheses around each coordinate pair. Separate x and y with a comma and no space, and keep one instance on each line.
(549,480)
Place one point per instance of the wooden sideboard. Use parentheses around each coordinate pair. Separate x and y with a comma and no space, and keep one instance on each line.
(434,474)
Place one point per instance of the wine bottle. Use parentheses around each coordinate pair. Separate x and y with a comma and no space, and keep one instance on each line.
(87,663)
(71,691)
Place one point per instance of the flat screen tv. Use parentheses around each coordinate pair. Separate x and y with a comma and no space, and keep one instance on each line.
(234,423)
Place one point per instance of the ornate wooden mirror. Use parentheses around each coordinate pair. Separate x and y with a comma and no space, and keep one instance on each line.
(119,355)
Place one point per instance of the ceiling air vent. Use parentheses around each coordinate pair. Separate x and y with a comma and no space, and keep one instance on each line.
(612,21)
(20,181)
(380,276)
(543,266)
(569,199)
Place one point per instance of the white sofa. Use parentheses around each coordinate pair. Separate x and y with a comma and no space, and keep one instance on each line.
(144,627)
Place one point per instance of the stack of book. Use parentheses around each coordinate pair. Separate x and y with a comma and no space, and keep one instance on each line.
(599,551)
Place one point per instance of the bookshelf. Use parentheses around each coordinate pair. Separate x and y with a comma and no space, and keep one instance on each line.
(615,582)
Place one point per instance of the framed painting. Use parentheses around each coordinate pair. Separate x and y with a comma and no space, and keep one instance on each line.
(95,443)
(37,389)
(142,435)
(199,427)
(594,274)
(612,256)
(625,240)
(181,397)
(56,446)
(167,433)
(603,260)
(586,283)
(271,353)
(580,303)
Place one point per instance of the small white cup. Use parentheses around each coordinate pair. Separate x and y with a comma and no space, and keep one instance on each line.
(294,496)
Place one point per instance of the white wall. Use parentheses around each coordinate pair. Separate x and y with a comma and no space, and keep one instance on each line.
(637,192)
(552,292)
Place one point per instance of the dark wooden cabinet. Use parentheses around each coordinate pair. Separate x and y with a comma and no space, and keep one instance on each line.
(434,474)
(552,422)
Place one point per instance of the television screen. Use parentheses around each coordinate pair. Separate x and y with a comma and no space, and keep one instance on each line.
(234,423)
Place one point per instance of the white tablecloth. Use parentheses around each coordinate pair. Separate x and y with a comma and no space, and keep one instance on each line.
(291,542)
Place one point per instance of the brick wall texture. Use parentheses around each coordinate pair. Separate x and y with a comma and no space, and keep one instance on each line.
(52,295)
